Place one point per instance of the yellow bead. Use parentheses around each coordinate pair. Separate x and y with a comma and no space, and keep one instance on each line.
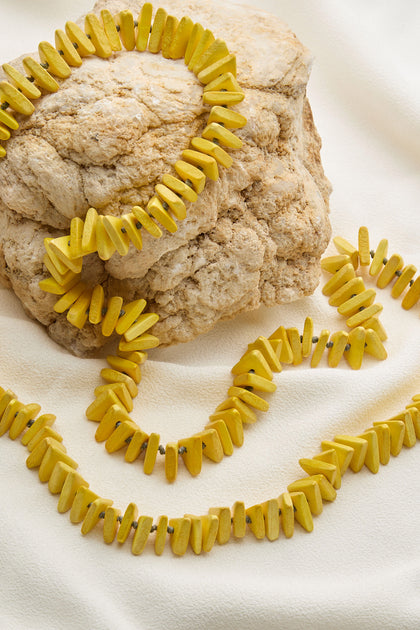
(224,436)
(344,293)
(409,431)
(104,244)
(311,490)
(248,379)
(296,345)
(339,279)
(144,322)
(135,447)
(216,51)
(155,39)
(125,366)
(374,346)
(354,304)
(89,244)
(110,524)
(78,312)
(384,442)
(64,46)
(286,355)
(41,76)
(232,419)
(15,99)
(58,477)
(212,149)
(110,29)
(339,341)
(141,534)
(192,454)
(255,520)
(27,88)
(115,413)
(161,532)
(133,229)
(204,162)
(247,415)
(113,376)
(330,457)
(225,524)
(412,296)
(172,200)
(56,63)
(286,512)
(238,519)
(271,514)
(308,332)
(226,64)
(144,219)
(143,342)
(171,461)
(193,40)
(388,273)
(204,42)
(403,280)
(378,258)
(126,23)
(113,310)
(344,453)
(92,516)
(46,420)
(215,131)
(76,232)
(302,513)
(6,396)
(84,45)
(356,341)
(332,264)
(8,120)
(360,447)
(168,35)
(211,444)
(253,360)
(156,209)
(49,285)
(117,439)
(364,250)
(265,347)
(415,416)
(223,98)
(181,38)
(249,398)
(315,467)
(4,134)
(344,247)
(397,433)
(63,280)
(226,117)
(46,432)
(144,23)
(181,535)
(225,82)
(97,35)
(210,526)
(114,226)
(179,188)
(191,175)
(72,489)
(327,490)
(58,264)
(372,454)
(130,515)
(374,324)
(34,460)
(26,414)
(98,408)
(358,318)
(61,248)
(53,455)
(132,310)
(97,302)
(8,416)
(151,453)
(320,347)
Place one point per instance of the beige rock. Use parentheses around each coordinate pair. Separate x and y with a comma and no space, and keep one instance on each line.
(116,126)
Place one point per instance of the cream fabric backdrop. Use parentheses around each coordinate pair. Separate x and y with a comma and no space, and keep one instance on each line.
(360,568)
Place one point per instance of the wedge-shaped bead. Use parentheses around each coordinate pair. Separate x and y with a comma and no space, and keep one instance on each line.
(113,311)
(126,23)
(206,163)
(216,51)
(332,264)
(280,334)
(58,477)
(172,200)
(312,492)
(8,120)
(344,247)
(130,516)
(363,315)
(57,65)
(372,454)
(20,422)
(375,324)
(97,35)
(360,447)
(71,485)
(233,421)
(388,273)
(362,300)
(62,279)
(110,29)
(141,534)
(193,455)
(46,420)
(135,446)
(226,117)
(46,432)
(226,82)
(120,390)
(115,414)
(223,98)
(193,40)
(4,133)
(403,280)
(378,258)
(211,444)
(144,322)
(339,279)
(225,523)
(89,244)
(364,249)
(181,38)
(269,353)
(356,341)
(25,86)
(327,490)
(97,302)
(131,312)
(196,533)
(98,408)
(415,416)
(158,212)
(42,78)
(9,415)
(179,188)
(320,347)
(348,290)
(216,132)
(286,512)
(212,149)
(53,455)
(330,457)
(374,346)
(205,41)
(6,396)
(397,433)
(111,524)
(161,533)
(249,398)
(255,520)
(339,342)
(210,526)
(118,438)
(80,506)
(120,239)
(78,313)
(49,285)
(409,431)
(96,508)
(308,332)
(181,535)
(140,343)
(191,175)
(171,25)
(315,467)
(133,229)
(227,64)
(412,296)
(238,519)
(15,98)
(296,345)
(124,365)
(155,39)
(143,29)
(84,45)
(146,221)
(384,442)
(76,233)
(233,402)
(151,453)
(61,248)
(248,379)
(253,360)
(302,513)
(224,436)
(344,453)
(104,244)
(171,461)
(270,510)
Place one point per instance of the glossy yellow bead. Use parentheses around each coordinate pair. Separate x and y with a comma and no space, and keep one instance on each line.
(378,258)
(53,455)
(8,120)
(76,232)
(97,302)
(125,20)
(212,149)
(204,162)
(113,376)
(130,515)
(49,285)
(144,219)
(403,280)
(225,524)
(238,519)
(25,415)
(65,46)
(320,347)
(98,408)
(171,461)
(302,513)
(193,455)
(97,36)
(46,420)
(216,51)
(271,515)
(312,492)
(223,98)
(211,444)
(78,312)
(142,342)
(255,520)
(58,477)
(224,436)
(354,304)
(412,296)
(375,324)
(120,239)
(332,264)
(388,273)
(348,290)
(9,414)
(46,432)
(339,340)
(248,379)
(374,346)
(384,442)
(42,78)
(57,65)
(181,38)
(143,323)
(354,355)
(63,280)
(308,333)
(6,396)
(176,205)
(104,244)
(133,229)
(216,132)
(372,455)
(397,433)
(204,42)
(360,447)
(141,534)
(179,188)
(327,490)
(110,29)
(280,334)
(364,249)
(344,453)
(171,25)
(233,402)
(233,421)
(286,512)
(181,535)
(15,99)
(249,398)
(409,431)
(113,310)
(226,117)
(4,134)
(71,489)
(125,366)
(193,40)
(61,248)
(156,209)
(85,46)
(226,64)
(58,264)
(92,516)
(191,175)
(151,453)
(143,29)
(339,279)
(330,457)
(315,467)
(266,348)
(344,247)
(253,360)
(89,244)
(110,524)
(27,88)
(117,439)
(155,39)
(135,447)
(366,313)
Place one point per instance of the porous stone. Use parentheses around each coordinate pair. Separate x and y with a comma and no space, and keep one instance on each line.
(254,237)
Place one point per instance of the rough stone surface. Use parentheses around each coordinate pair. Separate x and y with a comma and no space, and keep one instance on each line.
(116,126)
